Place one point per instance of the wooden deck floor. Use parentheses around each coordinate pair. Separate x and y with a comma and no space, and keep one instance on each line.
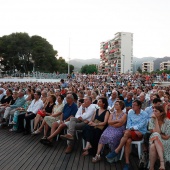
(26,153)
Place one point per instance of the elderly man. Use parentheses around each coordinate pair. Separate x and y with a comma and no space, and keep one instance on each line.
(10,109)
(112,99)
(32,110)
(83,116)
(145,103)
(135,129)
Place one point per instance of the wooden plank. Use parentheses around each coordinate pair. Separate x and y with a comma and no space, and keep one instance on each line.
(53,156)
(9,148)
(27,157)
(25,152)
(47,156)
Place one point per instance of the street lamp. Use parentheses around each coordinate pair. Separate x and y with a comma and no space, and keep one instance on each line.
(123,59)
(135,66)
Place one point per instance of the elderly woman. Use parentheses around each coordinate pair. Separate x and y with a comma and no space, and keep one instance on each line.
(159,140)
(114,132)
(46,111)
(94,129)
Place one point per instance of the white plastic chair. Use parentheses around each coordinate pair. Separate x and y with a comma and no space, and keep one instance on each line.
(139,145)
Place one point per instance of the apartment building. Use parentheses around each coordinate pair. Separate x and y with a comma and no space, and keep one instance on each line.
(165,66)
(116,55)
(148,66)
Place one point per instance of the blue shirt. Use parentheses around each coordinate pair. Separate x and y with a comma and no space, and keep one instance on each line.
(111,102)
(128,104)
(18,103)
(149,111)
(69,110)
(137,121)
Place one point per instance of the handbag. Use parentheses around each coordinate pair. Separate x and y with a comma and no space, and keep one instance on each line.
(101,127)
(41,113)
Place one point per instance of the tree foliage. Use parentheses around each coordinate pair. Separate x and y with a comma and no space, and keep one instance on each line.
(63,67)
(89,69)
(18,48)
(139,70)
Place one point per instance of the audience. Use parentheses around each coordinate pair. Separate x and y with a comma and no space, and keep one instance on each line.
(126,87)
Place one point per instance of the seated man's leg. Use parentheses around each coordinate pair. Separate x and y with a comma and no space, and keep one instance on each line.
(21,122)
(12,112)
(6,113)
(28,118)
(77,125)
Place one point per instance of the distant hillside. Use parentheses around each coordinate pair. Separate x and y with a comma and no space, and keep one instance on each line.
(78,63)
(137,62)
(157,61)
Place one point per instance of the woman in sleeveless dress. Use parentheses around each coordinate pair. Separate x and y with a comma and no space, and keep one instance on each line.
(94,129)
(159,140)
(114,132)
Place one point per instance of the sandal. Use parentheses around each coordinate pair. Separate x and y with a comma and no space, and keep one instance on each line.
(12,130)
(85,153)
(95,159)
(47,142)
(12,123)
(43,138)
(162,167)
(36,132)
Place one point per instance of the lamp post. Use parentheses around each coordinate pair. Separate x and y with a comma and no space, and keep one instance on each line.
(135,66)
(69,58)
(123,59)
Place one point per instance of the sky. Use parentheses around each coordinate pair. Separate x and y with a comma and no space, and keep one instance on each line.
(75,28)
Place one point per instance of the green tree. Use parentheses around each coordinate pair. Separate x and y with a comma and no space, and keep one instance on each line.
(43,55)
(18,48)
(139,70)
(14,48)
(89,69)
(62,66)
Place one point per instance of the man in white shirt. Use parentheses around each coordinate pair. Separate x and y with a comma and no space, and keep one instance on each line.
(82,117)
(32,110)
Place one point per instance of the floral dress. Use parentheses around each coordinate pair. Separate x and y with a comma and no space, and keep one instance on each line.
(112,135)
(165,128)
(56,109)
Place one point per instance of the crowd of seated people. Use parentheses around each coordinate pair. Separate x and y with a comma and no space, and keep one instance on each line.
(113,114)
